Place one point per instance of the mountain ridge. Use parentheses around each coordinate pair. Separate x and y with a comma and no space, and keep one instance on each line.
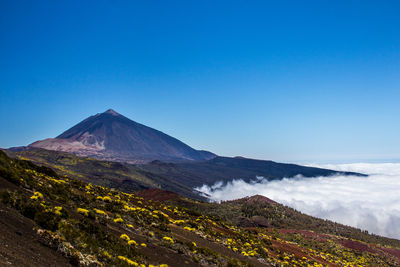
(226,169)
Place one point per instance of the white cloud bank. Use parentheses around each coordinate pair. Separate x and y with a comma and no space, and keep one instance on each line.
(371,203)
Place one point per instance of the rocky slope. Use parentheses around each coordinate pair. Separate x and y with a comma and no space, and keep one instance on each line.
(82,224)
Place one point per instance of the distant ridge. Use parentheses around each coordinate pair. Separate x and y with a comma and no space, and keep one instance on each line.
(111,136)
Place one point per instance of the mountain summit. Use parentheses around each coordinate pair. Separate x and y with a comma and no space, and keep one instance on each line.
(112,112)
(112,136)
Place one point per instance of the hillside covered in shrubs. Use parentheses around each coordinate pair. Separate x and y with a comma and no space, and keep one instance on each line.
(72,222)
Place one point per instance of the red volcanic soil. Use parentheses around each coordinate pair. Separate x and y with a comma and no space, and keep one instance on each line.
(299,252)
(356,245)
(350,244)
(158,194)
(260,199)
(256,199)
(307,234)
(391,251)
(369,248)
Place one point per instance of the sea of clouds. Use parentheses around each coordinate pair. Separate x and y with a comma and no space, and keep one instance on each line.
(371,203)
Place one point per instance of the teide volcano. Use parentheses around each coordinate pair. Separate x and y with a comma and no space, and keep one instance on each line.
(111,136)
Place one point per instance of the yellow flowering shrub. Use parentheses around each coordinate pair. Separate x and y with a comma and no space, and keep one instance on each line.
(128,261)
(100,212)
(125,237)
(106,198)
(83,211)
(189,228)
(37,195)
(105,253)
(132,242)
(57,210)
(118,220)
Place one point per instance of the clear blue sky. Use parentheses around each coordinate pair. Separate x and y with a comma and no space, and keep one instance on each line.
(282,80)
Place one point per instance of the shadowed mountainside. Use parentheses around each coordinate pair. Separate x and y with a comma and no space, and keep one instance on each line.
(224,169)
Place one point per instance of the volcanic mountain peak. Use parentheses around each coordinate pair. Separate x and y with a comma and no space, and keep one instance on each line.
(111,136)
(112,112)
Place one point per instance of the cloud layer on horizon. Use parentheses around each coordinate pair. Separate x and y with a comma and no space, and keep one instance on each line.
(371,203)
